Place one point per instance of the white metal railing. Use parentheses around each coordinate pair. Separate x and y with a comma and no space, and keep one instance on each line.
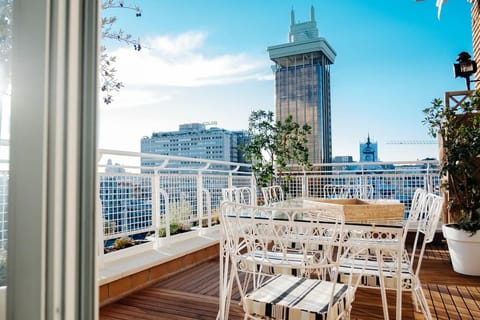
(154,202)
(383,180)
(138,201)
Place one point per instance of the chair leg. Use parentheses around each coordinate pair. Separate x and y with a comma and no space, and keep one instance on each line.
(420,297)
(382,285)
(415,301)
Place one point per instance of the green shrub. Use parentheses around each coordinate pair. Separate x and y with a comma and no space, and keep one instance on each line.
(123,242)
(175,227)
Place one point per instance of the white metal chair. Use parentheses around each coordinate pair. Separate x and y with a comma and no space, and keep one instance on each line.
(390,265)
(287,282)
(244,195)
(272,194)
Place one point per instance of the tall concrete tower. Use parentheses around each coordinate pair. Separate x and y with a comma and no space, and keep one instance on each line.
(302,84)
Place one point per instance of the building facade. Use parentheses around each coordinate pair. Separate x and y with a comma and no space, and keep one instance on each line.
(342,159)
(302,84)
(195,140)
(369,151)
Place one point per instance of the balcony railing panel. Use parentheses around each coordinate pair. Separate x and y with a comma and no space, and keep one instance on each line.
(154,201)
(141,201)
(387,180)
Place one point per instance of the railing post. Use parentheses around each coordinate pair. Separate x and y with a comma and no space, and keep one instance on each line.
(208,199)
(200,199)
(428,180)
(230,181)
(253,186)
(304,185)
(156,206)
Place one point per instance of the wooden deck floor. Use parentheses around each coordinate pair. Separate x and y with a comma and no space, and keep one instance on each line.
(193,295)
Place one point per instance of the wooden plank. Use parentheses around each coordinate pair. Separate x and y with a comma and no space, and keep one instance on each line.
(459,301)
(193,294)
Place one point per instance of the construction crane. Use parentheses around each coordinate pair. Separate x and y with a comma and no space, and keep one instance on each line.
(412,142)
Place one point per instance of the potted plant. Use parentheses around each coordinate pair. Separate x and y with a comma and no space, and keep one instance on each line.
(458,128)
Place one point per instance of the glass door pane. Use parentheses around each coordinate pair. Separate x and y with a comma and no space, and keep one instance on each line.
(5,48)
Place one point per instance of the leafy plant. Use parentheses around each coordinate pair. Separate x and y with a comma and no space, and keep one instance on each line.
(108,79)
(459,130)
(180,217)
(273,145)
(123,242)
(175,228)
(109,227)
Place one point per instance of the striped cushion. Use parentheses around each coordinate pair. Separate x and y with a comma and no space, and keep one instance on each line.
(288,297)
(271,262)
(370,276)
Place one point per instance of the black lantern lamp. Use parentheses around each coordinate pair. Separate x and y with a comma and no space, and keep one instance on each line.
(465,67)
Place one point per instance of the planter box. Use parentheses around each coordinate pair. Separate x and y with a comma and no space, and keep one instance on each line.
(165,242)
(356,210)
(128,252)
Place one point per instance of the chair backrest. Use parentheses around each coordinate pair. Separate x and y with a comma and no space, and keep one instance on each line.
(272,194)
(304,243)
(244,195)
(430,218)
(425,213)
(228,194)
(425,220)
(418,204)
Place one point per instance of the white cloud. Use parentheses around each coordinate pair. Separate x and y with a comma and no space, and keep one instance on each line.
(128,97)
(185,42)
(177,61)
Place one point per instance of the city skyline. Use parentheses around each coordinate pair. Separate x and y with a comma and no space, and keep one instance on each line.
(208,61)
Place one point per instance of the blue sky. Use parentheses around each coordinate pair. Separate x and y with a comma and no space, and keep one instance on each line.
(206,60)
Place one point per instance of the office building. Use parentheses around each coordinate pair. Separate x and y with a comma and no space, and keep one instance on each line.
(342,159)
(302,84)
(195,140)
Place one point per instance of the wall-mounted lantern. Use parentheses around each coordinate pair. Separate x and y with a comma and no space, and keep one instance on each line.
(465,67)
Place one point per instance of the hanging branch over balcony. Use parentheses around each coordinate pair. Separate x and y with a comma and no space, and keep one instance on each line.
(109,83)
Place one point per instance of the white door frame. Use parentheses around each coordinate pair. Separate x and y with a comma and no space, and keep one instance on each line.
(51,236)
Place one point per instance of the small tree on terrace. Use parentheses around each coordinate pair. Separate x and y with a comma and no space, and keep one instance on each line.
(273,145)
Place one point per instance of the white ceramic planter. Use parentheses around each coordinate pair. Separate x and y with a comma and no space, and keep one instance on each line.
(464,250)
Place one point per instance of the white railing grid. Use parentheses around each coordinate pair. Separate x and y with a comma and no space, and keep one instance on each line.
(134,203)
(126,202)
(242,181)
(386,184)
(213,184)
(182,193)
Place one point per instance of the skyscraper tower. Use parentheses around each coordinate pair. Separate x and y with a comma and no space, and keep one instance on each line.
(302,84)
